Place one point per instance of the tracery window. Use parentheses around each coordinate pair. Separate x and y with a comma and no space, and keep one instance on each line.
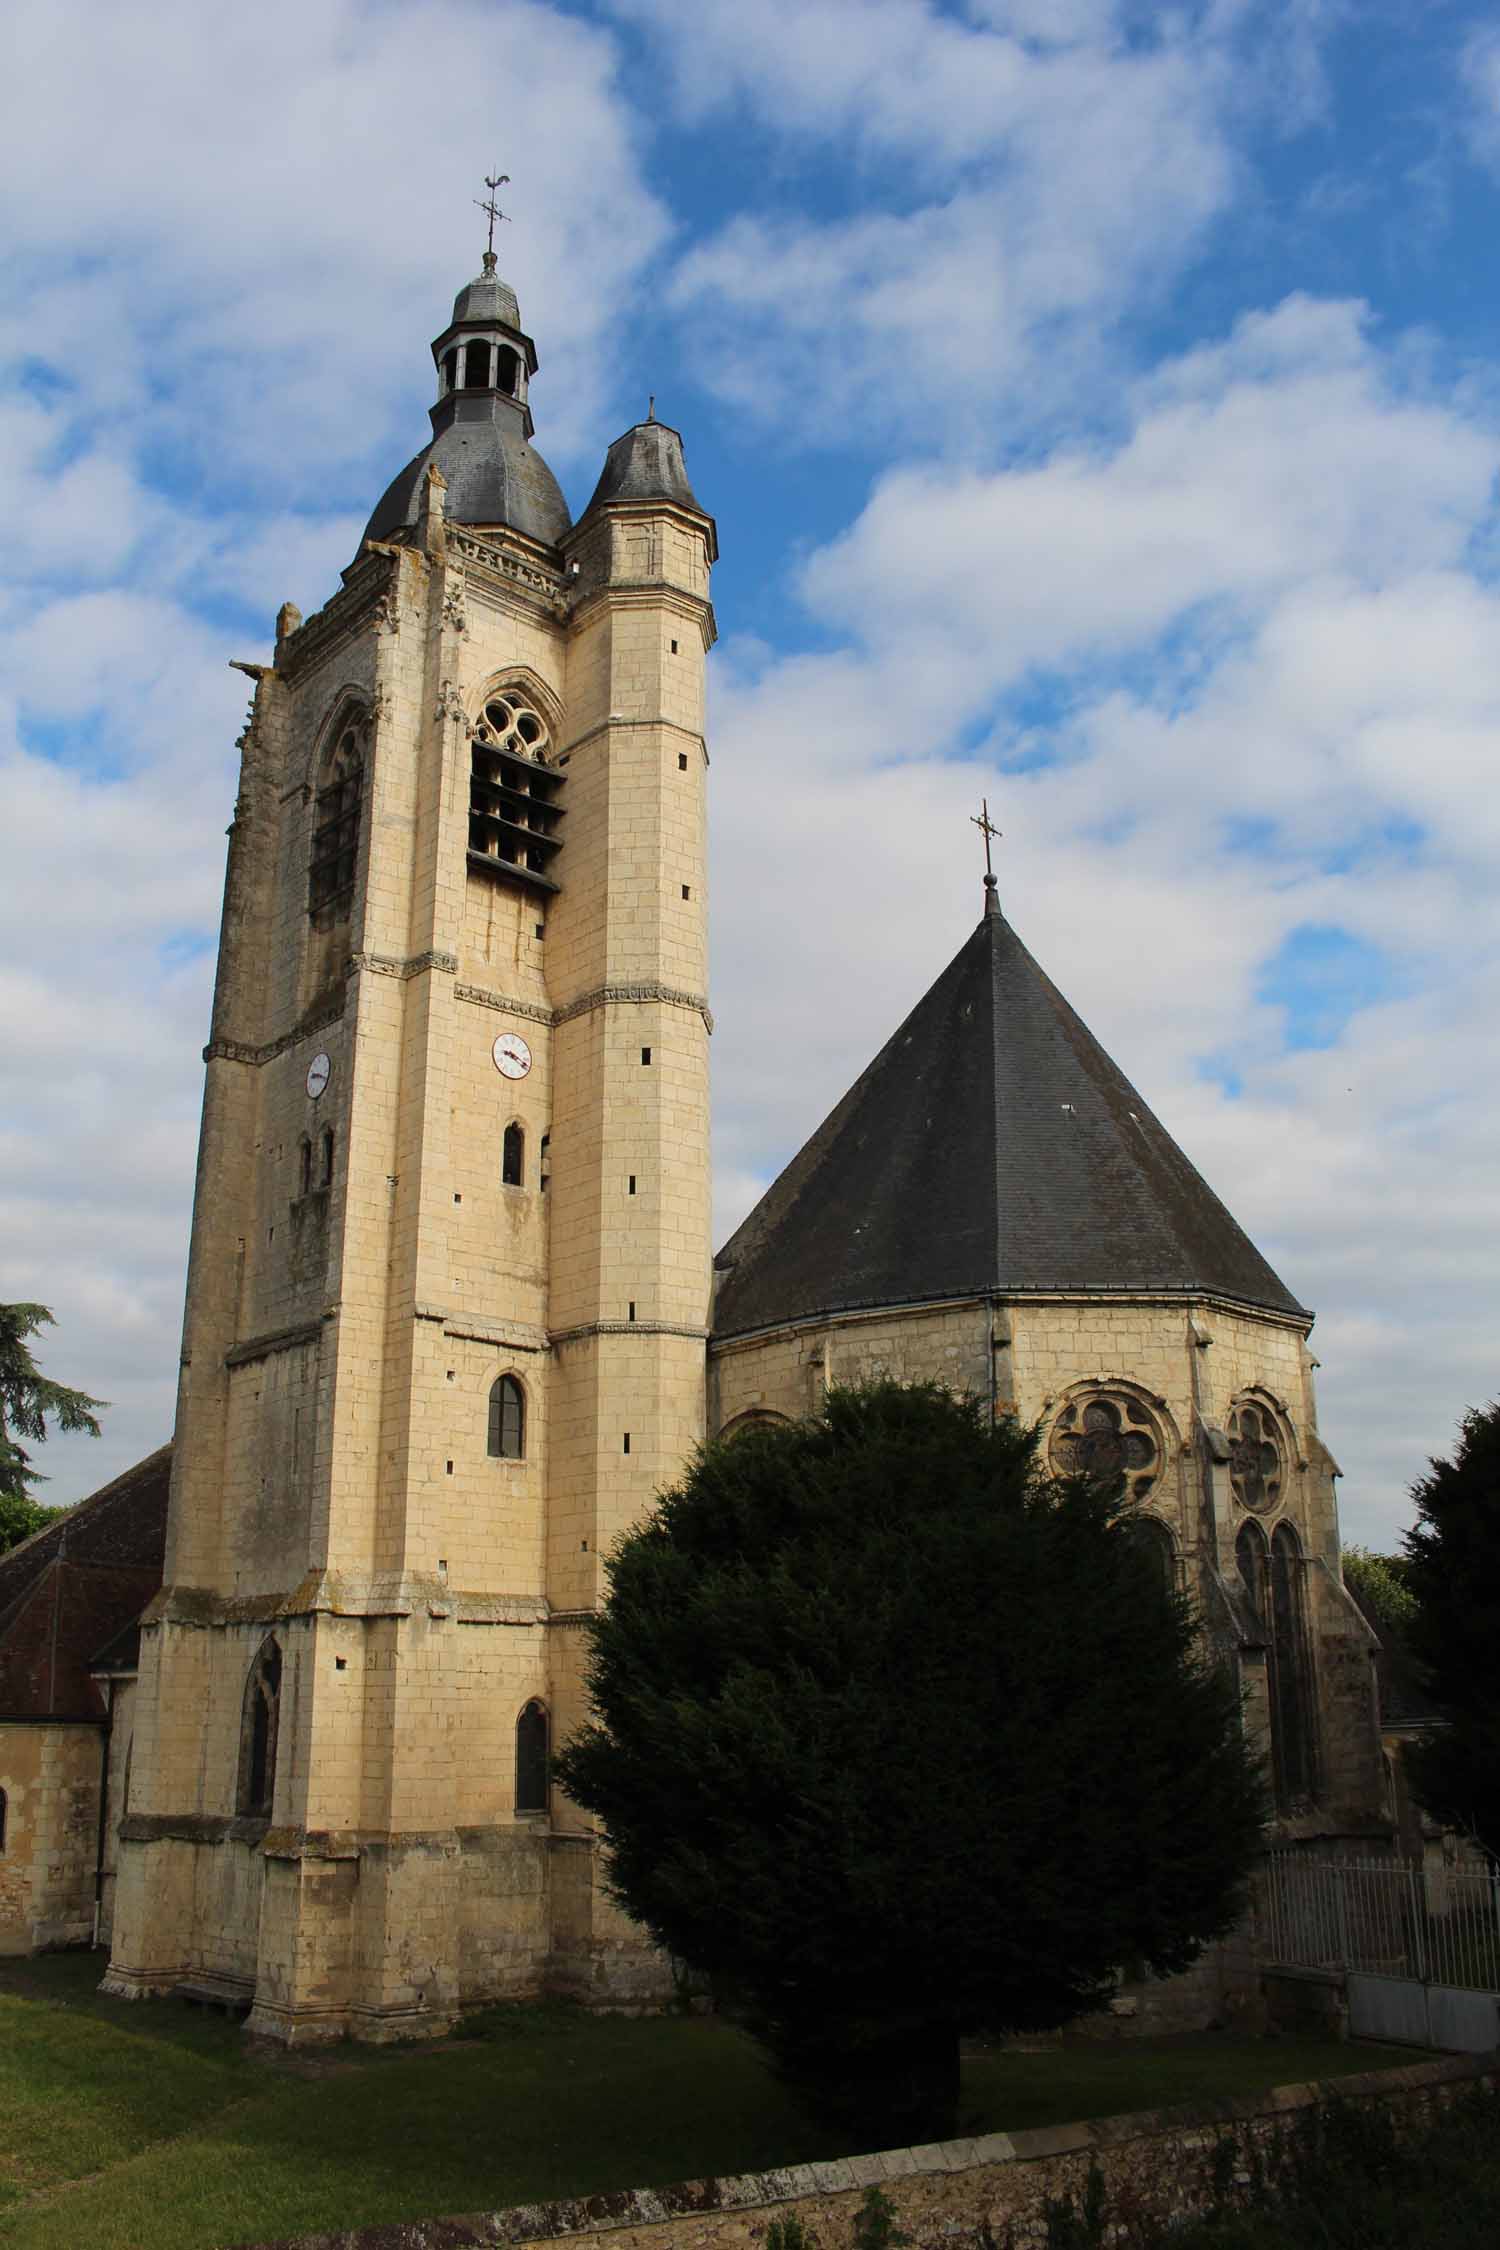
(513,791)
(258,1724)
(531,1758)
(1106,1435)
(1257,1471)
(335,843)
(507,1432)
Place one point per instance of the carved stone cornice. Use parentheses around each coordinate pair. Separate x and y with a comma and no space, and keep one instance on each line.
(403,966)
(239,1050)
(635,995)
(275,1340)
(534,1011)
(557,1336)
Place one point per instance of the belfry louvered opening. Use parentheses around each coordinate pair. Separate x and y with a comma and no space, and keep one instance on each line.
(514,815)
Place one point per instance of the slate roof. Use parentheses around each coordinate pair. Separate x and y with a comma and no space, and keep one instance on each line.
(76,1585)
(645,464)
(991,1146)
(494,475)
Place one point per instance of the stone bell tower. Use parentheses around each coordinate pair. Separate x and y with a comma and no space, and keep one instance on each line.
(448,1287)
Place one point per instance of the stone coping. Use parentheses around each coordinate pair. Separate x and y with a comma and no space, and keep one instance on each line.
(653,2207)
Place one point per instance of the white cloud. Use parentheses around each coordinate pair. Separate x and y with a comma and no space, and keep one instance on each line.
(1043,188)
(1479,67)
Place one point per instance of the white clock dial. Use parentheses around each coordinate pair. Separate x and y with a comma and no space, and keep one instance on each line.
(319,1071)
(512,1055)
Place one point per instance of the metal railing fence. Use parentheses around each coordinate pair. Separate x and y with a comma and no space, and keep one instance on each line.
(1382,1916)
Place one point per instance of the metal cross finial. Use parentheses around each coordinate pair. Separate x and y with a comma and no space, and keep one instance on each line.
(983,822)
(489,205)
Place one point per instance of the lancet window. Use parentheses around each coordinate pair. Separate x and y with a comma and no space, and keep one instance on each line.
(335,842)
(258,1724)
(531,1758)
(513,1157)
(1274,1575)
(1105,1435)
(514,814)
(507,1431)
(1291,1674)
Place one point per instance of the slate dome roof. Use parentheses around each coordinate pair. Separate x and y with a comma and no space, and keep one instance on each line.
(481,439)
(991,1147)
(494,477)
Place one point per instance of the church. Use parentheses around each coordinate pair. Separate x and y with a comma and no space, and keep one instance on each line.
(453,1315)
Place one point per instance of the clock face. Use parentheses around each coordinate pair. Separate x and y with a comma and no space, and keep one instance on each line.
(318,1072)
(512,1055)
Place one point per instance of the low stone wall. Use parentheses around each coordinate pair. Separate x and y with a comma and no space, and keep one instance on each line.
(1156,2165)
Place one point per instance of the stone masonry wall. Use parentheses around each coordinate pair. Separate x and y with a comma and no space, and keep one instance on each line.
(1156,2168)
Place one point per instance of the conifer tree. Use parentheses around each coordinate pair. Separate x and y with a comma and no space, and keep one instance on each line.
(27,1400)
(896,1739)
(1453,1570)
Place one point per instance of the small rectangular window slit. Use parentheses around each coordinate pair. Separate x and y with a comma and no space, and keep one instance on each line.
(687,890)
(645,1054)
(682,761)
(450,1468)
(632,1308)
(627,1441)
(674,648)
(632,1183)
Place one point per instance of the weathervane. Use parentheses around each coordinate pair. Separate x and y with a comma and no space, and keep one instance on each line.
(492,208)
(982,821)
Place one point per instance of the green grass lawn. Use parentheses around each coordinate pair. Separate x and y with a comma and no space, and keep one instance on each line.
(123,2126)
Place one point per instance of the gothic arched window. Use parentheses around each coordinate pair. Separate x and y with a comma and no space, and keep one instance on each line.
(1105,1435)
(1291,1668)
(335,843)
(1159,1545)
(513,808)
(1256,1468)
(507,1434)
(1253,1561)
(258,1723)
(513,1157)
(531,1758)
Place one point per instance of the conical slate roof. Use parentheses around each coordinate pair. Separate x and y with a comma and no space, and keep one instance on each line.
(991,1146)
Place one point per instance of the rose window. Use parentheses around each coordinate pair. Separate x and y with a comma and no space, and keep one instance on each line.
(1106,1438)
(513,795)
(1255,1464)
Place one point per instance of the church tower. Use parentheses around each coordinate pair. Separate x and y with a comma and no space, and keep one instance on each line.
(449,1278)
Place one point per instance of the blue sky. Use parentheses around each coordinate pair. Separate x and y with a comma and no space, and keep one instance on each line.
(1099,404)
